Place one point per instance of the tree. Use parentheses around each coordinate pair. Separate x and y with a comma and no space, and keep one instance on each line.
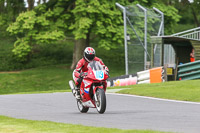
(189,12)
(101,18)
(30,4)
(83,19)
(97,18)
(9,10)
(36,27)
(170,13)
(196,11)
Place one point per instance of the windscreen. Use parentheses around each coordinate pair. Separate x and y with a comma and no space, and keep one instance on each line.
(95,65)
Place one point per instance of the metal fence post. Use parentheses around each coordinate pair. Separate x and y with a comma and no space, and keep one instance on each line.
(161,26)
(125,36)
(162,22)
(145,33)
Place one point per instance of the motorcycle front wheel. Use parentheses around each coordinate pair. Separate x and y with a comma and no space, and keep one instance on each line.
(81,108)
(100,101)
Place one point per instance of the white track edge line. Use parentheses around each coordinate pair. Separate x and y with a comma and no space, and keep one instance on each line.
(153,98)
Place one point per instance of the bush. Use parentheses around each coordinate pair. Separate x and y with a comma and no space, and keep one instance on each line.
(6,55)
(59,53)
(53,54)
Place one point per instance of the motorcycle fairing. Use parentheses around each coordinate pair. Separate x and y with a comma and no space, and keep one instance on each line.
(99,75)
(89,104)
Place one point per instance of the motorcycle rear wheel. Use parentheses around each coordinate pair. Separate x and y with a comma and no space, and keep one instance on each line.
(81,108)
(101,101)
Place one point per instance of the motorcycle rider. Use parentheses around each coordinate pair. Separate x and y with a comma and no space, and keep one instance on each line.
(81,67)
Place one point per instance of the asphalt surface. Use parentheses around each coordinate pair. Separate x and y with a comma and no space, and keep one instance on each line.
(124,112)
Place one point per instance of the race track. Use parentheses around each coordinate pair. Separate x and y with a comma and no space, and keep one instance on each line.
(124,112)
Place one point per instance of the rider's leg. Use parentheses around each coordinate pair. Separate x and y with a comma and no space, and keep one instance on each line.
(77,89)
(77,81)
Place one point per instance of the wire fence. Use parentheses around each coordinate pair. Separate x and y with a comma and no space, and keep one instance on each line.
(141,24)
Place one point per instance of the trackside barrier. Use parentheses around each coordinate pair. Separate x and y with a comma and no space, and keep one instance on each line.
(143,77)
(126,81)
(189,71)
(157,75)
(123,80)
(154,75)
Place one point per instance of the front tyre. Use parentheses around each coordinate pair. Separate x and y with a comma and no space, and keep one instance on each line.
(100,101)
(81,108)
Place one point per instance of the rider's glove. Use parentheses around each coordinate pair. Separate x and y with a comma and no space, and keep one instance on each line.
(83,74)
(106,68)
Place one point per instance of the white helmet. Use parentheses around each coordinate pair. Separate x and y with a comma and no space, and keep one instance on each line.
(89,54)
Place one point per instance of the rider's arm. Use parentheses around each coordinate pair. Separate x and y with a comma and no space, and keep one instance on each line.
(78,68)
(101,62)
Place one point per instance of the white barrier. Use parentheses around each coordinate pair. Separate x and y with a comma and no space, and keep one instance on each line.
(126,81)
(143,75)
(144,81)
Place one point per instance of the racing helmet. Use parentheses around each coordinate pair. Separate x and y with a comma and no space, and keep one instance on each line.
(89,54)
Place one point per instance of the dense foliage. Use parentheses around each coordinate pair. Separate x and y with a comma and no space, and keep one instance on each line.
(97,23)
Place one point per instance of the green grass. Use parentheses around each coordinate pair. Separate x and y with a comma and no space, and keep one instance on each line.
(42,79)
(11,125)
(39,80)
(55,79)
(177,90)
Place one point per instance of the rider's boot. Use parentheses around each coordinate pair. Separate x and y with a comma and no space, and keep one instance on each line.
(77,93)
(75,89)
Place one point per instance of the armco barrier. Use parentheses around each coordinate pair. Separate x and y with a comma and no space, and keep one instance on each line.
(143,77)
(154,75)
(189,71)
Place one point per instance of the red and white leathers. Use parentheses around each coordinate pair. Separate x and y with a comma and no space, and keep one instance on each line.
(82,67)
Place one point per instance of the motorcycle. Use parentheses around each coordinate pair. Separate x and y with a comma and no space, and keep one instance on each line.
(92,89)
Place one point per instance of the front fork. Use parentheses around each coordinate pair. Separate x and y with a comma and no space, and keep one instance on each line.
(95,97)
(94,92)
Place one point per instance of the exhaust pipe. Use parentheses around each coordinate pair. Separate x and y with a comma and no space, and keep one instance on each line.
(71,84)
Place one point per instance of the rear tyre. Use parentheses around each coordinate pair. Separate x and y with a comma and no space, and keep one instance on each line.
(101,101)
(81,108)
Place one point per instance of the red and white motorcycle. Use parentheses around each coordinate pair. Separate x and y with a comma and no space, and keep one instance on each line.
(92,89)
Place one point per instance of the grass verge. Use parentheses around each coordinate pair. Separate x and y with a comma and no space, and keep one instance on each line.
(55,79)
(42,79)
(177,90)
(39,80)
(11,125)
